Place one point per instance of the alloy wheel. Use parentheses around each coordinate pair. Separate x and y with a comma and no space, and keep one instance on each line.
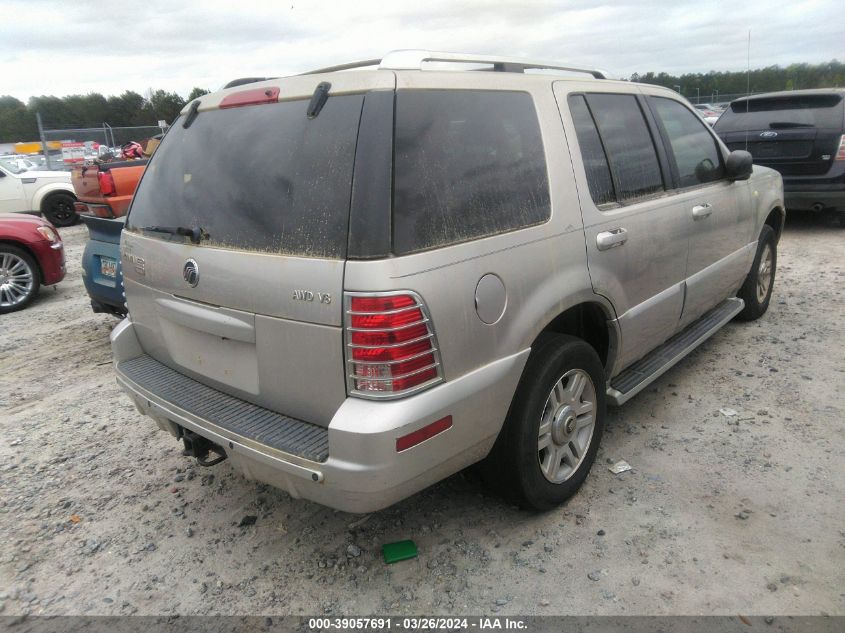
(566,426)
(16,280)
(765,273)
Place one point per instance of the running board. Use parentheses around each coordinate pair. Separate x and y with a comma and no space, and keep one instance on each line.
(642,373)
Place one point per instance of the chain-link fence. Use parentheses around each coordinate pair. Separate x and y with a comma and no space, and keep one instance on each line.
(69,146)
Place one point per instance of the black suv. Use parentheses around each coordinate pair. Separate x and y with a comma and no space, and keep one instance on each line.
(801,134)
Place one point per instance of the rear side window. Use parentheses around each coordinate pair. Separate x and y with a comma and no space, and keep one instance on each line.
(820,111)
(467,164)
(261,178)
(592,152)
(627,140)
(697,158)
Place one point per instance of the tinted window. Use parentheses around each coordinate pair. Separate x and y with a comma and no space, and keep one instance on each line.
(696,155)
(467,164)
(630,150)
(592,152)
(824,111)
(260,177)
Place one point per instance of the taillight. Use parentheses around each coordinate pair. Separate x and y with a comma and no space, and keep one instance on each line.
(840,154)
(107,187)
(391,349)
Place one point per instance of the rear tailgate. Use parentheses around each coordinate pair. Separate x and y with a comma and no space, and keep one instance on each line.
(86,184)
(798,136)
(124,178)
(255,308)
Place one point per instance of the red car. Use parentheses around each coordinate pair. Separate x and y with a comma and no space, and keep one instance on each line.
(31,254)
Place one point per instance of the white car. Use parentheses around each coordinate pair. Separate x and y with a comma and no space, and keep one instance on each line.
(49,193)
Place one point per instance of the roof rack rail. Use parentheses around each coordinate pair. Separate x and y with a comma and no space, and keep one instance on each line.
(243,80)
(413,59)
(332,69)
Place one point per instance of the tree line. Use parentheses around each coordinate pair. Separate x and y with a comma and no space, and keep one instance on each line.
(769,79)
(17,119)
(18,123)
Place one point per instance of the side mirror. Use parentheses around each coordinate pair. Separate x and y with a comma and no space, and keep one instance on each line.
(739,165)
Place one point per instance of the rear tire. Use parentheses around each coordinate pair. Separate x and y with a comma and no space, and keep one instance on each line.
(20,278)
(552,432)
(58,209)
(758,286)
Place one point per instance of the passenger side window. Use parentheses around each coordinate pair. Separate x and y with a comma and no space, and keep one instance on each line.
(467,164)
(592,152)
(697,157)
(627,140)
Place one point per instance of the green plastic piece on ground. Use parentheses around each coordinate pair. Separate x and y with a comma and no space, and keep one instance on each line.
(401,550)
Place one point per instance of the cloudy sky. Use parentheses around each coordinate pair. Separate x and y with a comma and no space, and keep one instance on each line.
(72,47)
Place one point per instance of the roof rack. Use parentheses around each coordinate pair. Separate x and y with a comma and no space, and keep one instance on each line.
(240,81)
(414,59)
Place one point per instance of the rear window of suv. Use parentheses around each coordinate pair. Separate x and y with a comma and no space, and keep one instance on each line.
(819,111)
(260,178)
(467,164)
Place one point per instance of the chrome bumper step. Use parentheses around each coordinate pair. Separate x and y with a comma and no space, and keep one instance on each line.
(242,418)
(642,373)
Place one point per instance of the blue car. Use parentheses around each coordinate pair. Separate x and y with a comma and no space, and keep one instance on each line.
(101,265)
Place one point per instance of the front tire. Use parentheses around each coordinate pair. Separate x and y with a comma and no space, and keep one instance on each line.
(19,278)
(58,209)
(757,289)
(553,429)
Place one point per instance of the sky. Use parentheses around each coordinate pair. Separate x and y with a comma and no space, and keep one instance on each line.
(66,47)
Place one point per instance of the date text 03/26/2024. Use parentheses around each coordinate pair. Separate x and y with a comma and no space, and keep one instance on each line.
(417,624)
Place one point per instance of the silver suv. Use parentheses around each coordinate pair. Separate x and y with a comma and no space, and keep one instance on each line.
(355,282)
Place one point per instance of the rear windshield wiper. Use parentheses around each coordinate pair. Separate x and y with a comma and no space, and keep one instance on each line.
(194,232)
(780,125)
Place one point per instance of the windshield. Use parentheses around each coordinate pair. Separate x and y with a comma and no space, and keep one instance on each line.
(259,178)
(14,165)
(820,111)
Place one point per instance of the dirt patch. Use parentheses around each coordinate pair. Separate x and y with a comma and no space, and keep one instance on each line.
(100,514)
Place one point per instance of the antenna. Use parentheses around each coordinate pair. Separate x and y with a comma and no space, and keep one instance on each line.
(747,83)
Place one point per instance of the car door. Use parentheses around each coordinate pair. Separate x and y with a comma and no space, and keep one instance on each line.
(636,241)
(716,210)
(11,193)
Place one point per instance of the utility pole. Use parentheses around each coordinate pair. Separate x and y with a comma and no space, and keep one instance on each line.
(698,95)
(44,148)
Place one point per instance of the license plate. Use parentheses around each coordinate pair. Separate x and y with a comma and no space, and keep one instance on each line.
(108,267)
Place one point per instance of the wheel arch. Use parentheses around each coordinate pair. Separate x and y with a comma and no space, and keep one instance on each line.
(25,247)
(47,191)
(776,219)
(591,321)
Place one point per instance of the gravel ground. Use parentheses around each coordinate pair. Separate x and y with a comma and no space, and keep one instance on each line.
(100,514)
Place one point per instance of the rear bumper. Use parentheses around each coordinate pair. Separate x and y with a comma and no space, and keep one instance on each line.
(805,192)
(95,209)
(809,199)
(363,471)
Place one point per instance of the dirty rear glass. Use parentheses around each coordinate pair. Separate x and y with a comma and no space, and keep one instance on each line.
(592,152)
(820,111)
(467,164)
(630,149)
(259,178)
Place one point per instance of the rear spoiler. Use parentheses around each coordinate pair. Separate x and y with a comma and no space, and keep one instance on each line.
(104,229)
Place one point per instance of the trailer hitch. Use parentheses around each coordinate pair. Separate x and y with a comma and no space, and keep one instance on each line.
(199,447)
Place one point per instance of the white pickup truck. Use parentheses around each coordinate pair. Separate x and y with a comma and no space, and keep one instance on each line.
(30,191)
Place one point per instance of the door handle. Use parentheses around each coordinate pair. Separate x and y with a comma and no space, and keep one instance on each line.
(701,211)
(611,239)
